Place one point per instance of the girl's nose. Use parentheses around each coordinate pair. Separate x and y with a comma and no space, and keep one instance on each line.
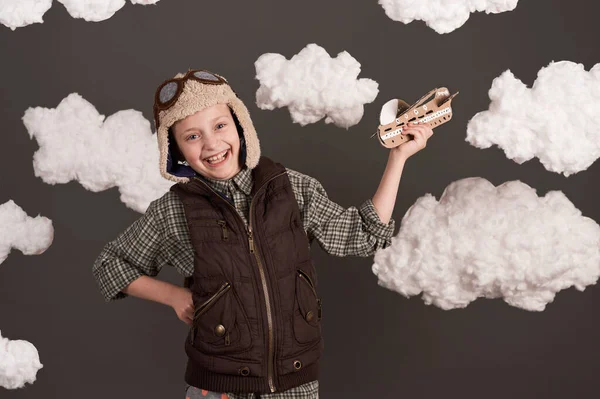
(210,141)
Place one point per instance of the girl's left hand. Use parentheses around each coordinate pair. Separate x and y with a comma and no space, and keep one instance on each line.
(182,303)
(420,133)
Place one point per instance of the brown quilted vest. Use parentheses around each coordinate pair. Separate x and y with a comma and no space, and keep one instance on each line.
(257,316)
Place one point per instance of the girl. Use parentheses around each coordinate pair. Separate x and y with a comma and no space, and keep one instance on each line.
(239,227)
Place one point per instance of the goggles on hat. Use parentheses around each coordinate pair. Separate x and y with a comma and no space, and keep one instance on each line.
(170,90)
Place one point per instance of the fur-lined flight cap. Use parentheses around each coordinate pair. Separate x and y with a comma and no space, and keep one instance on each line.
(198,89)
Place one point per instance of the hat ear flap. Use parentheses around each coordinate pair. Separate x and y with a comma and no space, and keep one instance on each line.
(240,130)
(243,153)
(174,153)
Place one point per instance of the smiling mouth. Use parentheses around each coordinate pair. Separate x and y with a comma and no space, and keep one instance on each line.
(214,161)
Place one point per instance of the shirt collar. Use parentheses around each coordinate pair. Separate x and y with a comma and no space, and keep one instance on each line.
(243,180)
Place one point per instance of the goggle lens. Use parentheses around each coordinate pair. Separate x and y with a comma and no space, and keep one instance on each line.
(206,76)
(167,92)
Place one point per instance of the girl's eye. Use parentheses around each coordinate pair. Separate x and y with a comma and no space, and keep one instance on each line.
(190,137)
(220,125)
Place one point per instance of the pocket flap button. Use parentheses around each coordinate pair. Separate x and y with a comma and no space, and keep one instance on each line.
(220,330)
(309,316)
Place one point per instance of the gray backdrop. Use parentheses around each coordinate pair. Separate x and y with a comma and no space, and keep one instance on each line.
(378,343)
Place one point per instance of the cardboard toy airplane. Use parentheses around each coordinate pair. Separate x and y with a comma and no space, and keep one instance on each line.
(433,108)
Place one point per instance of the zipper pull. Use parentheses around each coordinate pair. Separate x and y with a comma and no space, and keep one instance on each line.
(250,239)
(224,226)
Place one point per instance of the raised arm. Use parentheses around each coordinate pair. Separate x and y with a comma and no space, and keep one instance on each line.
(362,230)
(385,196)
(339,231)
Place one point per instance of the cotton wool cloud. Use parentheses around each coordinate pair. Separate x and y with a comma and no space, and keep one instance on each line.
(557,120)
(78,143)
(19,363)
(18,13)
(479,240)
(313,86)
(32,236)
(443,16)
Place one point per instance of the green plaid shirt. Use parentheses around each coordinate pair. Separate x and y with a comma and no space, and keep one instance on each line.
(160,237)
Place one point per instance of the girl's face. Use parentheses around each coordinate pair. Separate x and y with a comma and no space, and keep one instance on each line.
(208,133)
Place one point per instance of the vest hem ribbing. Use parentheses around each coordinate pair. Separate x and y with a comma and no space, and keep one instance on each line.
(204,379)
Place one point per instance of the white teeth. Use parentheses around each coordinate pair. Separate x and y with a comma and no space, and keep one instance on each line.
(217,158)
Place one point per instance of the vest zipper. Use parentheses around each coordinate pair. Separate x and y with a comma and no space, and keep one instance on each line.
(307,279)
(206,304)
(270,370)
(268,304)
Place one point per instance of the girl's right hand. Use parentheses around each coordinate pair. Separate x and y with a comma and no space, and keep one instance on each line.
(183,305)
(420,133)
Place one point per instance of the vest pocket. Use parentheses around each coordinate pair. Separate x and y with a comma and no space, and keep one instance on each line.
(307,311)
(208,229)
(219,325)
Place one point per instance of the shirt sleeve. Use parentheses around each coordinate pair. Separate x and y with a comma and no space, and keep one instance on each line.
(340,231)
(135,252)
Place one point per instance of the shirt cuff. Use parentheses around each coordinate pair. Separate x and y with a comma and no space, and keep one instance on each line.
(373,225)
(113,276)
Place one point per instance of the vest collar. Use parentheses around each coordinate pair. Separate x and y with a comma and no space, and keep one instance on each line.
(263,172)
